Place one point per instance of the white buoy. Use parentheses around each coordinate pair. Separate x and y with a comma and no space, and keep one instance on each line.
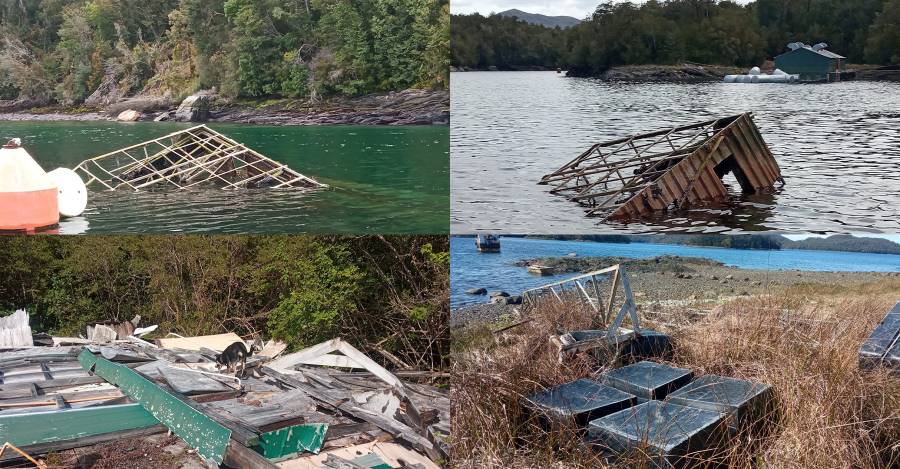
(72,193)
(755,71)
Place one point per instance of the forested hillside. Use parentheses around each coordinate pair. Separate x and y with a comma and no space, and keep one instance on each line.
(64,50)
(674,31)
(299,289)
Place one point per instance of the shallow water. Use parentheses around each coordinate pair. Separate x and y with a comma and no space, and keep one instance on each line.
(383,180)
(838,146)
(472,269)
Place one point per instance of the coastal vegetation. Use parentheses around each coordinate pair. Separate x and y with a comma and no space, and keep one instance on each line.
(65,51)
(800,339)
(675,31)
(298,289)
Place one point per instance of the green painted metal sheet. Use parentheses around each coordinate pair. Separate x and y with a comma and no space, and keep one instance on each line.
(290,441)
(368,461)
(207,436)
(69,424)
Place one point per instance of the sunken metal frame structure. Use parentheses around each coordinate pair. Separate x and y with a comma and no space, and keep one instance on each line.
(667,169)
(187,159)
(575,289)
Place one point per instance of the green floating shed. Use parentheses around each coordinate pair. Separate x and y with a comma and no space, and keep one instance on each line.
(812,63)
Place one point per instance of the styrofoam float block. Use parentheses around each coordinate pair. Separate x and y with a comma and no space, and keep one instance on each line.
(582,401)
(668,433)
(648,380)
(882,347)
(747,402)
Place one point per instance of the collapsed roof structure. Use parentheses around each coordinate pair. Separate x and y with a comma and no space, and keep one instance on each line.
(668,169)
(325,406)
(187,159)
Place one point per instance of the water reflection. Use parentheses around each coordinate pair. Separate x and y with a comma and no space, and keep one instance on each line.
(838,146)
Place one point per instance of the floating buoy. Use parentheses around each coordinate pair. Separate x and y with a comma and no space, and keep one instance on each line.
(71,192)
(28,196)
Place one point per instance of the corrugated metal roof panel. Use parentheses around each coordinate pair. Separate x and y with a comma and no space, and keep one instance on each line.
(829,54)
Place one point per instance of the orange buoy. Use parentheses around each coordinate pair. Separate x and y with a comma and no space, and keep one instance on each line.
(28,200)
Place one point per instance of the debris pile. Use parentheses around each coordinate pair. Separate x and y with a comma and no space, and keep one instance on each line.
(668,169)
(325,406)
(188,159)
(644,406)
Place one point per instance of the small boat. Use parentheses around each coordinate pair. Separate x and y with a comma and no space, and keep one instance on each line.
(487,243)
(541,269)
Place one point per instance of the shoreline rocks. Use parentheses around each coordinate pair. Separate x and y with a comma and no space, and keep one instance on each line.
(408,107)
(683,73)
(673,279)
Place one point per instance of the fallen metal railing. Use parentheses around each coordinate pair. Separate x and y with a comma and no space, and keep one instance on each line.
(585,289)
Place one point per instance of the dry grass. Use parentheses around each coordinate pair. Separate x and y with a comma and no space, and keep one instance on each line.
(802,341)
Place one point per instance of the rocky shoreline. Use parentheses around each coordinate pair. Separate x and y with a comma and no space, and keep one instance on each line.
(683,73)
(408,107)
(669,279)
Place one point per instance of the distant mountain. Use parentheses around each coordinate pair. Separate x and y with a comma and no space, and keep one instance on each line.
(542,20)
(844,243)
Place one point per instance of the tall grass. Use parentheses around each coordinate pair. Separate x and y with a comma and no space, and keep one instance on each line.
(803,342)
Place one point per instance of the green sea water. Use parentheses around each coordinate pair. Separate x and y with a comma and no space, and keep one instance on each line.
(382,180)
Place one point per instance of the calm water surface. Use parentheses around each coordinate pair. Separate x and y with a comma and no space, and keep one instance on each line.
(383,180)
(471,269)
(838,146)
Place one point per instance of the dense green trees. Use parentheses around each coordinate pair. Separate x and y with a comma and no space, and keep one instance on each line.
(298,289)
(673,31)
(63,50)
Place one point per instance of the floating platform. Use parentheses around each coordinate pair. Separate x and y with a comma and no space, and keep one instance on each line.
(882,348)
(187,159)
(668,169)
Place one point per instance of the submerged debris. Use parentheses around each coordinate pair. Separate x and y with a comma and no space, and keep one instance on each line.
(186,159)
(667,169)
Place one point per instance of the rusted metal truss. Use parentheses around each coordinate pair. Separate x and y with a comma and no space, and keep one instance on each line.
(586,289)
(667,169)
(187,159)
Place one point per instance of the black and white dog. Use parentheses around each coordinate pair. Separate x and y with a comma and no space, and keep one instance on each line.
(237,354)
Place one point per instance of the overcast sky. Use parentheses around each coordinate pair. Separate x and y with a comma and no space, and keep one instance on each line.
(577,8)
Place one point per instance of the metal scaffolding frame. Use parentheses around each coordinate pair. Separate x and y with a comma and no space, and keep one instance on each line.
(667,169)
(585,289)
(187,159)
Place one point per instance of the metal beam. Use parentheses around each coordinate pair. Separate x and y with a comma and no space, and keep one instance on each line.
(34,428)
(201,432)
